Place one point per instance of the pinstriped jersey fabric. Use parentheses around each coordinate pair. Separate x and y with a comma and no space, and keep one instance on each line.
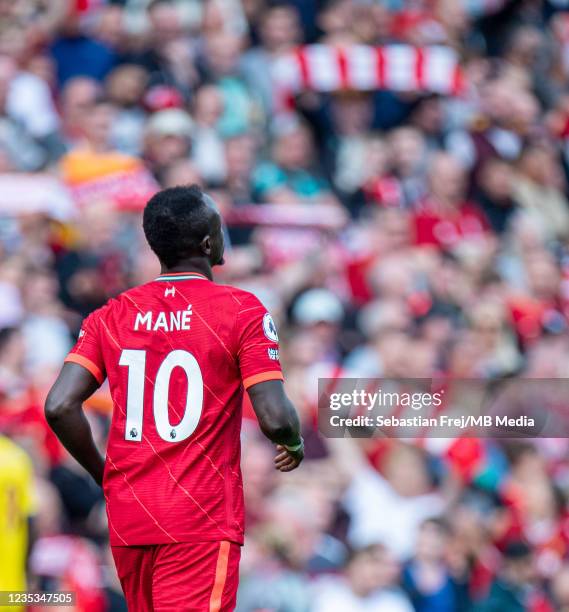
(178,353)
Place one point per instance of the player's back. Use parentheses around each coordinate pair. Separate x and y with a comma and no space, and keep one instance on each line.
(177,352)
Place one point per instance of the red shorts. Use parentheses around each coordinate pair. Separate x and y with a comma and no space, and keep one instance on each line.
(184,577)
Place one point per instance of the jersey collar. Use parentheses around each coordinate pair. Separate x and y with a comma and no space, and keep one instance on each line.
(180,276)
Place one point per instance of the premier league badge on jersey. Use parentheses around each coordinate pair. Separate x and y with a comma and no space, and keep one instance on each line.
(270,328)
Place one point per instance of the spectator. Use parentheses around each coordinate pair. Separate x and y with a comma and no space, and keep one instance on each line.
(167,139)
(20,151)
(560,590)
(221,65)
(539,190)
(76,53)
(77,98)
(514,588)
(16,486)
(495,193)
(240,153)
(290,179)
(427,577)
(279,31)
(208,149)
(445,217)
(125,87)
(370,578)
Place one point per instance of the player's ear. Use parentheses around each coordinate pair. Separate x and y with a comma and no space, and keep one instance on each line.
(205,245)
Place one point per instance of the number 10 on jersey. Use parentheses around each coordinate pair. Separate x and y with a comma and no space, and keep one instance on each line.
(135,361)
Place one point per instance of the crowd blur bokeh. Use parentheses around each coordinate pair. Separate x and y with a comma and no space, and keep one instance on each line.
(390,233)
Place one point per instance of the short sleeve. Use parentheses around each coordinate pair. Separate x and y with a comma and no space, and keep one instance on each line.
(87,350)
(258,344)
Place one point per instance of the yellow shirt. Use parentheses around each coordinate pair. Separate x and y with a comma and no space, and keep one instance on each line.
(16,506)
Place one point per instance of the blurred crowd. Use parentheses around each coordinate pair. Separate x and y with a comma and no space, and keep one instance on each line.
(391,234)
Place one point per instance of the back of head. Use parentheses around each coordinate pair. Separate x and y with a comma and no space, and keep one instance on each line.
(175,222)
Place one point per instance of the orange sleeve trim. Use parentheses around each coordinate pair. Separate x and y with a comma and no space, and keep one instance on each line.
(220,577)
(262,377)
(87,364)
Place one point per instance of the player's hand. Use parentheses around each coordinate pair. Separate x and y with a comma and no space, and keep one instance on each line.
(288,460)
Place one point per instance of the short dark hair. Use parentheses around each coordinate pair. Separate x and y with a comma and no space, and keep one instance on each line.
(156,3)
(6,334)
(175,221)
(517,550)
(438,522)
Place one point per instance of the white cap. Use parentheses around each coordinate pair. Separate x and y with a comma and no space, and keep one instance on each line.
(171,122)
(318,306)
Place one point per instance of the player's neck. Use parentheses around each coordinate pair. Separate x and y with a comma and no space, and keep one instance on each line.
(189,265)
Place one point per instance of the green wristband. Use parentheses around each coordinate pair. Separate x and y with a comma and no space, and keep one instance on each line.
(296,447)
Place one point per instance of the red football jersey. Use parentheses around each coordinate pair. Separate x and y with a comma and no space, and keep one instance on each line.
(178,353)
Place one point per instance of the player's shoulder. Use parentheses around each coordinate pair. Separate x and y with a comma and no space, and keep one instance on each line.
(99,313)
(133,292)
(242,298)
(115,303)
(252,312)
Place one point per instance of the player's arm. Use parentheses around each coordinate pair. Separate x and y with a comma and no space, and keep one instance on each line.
(64,413)
(258,355)
(278,420)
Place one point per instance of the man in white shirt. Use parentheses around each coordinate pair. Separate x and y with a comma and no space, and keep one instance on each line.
(368,585)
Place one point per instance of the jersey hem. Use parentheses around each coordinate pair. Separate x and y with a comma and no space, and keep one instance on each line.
(234,538)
